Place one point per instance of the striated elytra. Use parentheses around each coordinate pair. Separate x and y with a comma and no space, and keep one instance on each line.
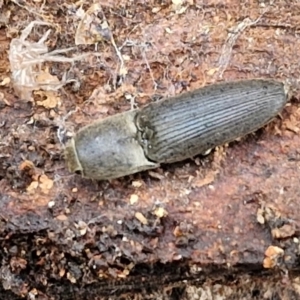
(173,129)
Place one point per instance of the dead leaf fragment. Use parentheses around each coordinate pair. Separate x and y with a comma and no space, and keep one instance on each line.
(273,253)
(177,231)
(268,263)
(45,183)
(141,218)
(45,78)
(137,183)
(51,99)
(160,212)
(283,232)
(260,216)
(62,272)
(62,218)
(134,199)
(32,187)
(212,71)
(208,179)
(26,165)
(5,81)
(71,277)
(291,125)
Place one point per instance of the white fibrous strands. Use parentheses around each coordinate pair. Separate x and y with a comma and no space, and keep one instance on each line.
(26,59)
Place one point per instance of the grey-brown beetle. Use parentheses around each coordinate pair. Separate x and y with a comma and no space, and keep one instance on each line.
(174,129)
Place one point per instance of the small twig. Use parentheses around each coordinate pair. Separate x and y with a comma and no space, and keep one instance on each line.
(141,47)
(112,40)
(232,37)
(148,67)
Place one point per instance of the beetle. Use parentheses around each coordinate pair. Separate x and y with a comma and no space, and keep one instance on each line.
(174,128)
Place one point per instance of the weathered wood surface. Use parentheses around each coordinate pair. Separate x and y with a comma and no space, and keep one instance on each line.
(226,224)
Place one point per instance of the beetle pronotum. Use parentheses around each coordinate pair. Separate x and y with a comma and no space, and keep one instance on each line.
(174,129)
